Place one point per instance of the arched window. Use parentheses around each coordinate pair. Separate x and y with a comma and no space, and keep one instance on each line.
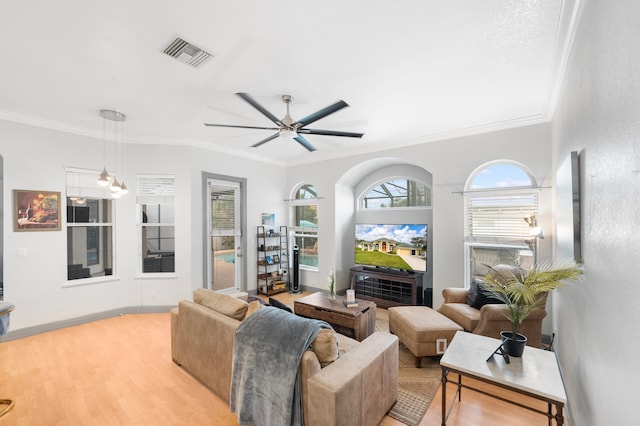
(394,211)
(500,174)
(392,193)
(304,224)
(501,204)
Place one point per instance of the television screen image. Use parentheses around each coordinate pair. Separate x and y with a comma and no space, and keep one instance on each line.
(395,247)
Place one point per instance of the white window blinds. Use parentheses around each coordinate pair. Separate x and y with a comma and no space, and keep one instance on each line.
(499,215)
(83,183)
(156,189)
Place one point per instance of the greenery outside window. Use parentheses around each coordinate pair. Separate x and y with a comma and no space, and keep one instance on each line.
(90,227)
(304,225)
(394,193)
(156,213)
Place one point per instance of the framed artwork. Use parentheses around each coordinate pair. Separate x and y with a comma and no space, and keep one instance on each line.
(36,210)
(268,219)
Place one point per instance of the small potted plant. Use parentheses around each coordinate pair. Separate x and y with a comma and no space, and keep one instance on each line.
(332,286)
(523,291)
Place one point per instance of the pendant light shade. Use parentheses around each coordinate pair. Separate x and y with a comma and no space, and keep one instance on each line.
(105,179)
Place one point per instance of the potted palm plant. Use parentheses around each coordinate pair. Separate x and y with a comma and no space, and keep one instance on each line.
(523,291)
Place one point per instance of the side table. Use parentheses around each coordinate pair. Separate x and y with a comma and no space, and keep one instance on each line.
(536,374)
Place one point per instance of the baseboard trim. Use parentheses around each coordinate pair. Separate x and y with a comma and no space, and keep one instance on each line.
(31,331)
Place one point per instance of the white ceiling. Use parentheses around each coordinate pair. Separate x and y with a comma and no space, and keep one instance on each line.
(411,70)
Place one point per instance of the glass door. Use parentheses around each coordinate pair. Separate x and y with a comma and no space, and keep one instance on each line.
(225,242)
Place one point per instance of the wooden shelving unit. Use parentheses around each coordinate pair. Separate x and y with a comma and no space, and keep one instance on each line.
(273,260)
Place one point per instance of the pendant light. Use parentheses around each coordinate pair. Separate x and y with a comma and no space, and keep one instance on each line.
(117,188)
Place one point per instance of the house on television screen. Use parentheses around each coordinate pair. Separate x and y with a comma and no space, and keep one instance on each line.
(390,247)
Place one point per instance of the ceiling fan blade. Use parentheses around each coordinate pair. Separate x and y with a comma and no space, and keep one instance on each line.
(330,133)
(322,113)
(302,141)
(241,127)
(260,108)
(265,140)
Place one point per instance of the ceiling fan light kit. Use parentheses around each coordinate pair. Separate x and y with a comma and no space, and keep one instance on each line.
(289,128)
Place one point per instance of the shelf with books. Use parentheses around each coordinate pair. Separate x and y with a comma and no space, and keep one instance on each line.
(272,260)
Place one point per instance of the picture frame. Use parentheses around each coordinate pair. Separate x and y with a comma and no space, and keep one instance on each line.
(36,210)
(276,258)
(268,219)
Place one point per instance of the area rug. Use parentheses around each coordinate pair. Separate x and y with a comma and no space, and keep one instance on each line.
(409,408)
(416,386)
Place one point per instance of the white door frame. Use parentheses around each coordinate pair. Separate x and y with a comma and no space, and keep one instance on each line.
(241,227)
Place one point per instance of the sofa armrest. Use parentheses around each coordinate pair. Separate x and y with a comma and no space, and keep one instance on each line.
(455,295)
(201,338)
(493,321)
(359,388)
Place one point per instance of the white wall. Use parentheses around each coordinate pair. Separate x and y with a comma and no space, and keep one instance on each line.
(266,193)
(450,162)
(598,322)
(35,158)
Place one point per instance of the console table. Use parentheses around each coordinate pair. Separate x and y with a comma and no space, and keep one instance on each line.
(385,288)
(536,374)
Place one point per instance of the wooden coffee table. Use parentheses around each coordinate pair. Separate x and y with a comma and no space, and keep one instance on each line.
(357,323)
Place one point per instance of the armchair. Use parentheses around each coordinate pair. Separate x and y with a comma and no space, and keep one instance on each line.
(489,320)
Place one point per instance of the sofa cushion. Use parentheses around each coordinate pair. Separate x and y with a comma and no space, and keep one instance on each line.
(278,304)
(345,344)
(254,305)
(461,313)
(223,303)
(505,273)
(325,346)
(473,291)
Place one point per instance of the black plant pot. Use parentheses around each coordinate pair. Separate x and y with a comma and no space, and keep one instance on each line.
(513,346)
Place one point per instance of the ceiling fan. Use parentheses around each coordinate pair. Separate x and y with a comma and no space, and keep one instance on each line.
(288,128)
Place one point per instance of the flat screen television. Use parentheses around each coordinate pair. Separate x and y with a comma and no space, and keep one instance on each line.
(394,247)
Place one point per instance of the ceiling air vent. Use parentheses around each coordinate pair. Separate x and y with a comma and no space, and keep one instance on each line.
(187,53)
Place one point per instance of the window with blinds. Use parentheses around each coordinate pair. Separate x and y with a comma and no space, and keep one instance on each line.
(223,209)
(499,216)
(304,225)
(89,226)
(156,216)
(498,197)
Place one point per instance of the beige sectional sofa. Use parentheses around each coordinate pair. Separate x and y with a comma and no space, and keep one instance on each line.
(358,388)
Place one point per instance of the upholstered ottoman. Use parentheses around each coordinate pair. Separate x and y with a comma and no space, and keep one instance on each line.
(423,331)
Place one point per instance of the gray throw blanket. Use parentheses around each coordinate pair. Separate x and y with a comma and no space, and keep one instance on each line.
(265,382)
(5,310)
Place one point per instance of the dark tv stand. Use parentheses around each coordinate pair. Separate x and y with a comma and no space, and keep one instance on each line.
(387,288)
(386,270)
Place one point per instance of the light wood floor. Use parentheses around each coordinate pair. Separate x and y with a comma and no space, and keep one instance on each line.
(119,372)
